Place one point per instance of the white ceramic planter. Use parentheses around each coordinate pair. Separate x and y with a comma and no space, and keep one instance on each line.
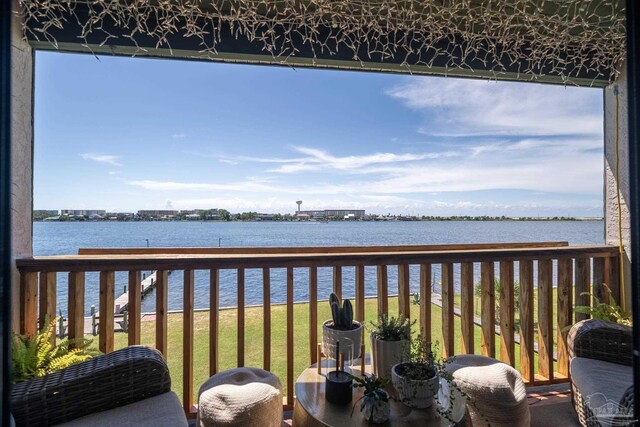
(350,341)
(376,411)
(385,354)
(415,393)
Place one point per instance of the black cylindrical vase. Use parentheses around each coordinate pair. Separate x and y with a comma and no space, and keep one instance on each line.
(338,387)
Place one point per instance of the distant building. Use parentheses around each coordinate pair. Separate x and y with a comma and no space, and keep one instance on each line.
(83,212)
(193,217)
(158,213)
(354,214)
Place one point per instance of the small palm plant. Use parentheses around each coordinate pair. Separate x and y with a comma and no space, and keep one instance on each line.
(37,356)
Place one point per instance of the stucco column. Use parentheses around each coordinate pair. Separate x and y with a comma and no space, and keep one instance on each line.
(614,176)
(22,67)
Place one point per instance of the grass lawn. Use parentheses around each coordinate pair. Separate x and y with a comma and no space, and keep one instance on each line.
(253,339)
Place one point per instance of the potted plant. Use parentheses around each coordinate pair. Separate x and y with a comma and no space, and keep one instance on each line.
(389,342)
(374,404)
(343,329)
(417,379)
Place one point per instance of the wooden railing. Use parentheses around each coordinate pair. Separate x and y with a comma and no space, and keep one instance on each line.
(570,269)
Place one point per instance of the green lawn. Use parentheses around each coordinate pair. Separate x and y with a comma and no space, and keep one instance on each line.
(253,339)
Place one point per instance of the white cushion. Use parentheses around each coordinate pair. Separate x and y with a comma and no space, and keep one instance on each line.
(240,397)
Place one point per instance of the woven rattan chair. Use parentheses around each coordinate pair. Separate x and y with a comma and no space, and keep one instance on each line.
(601,372)
(103,383)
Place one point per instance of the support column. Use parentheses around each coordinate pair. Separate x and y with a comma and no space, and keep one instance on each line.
(22,67)
(613,178)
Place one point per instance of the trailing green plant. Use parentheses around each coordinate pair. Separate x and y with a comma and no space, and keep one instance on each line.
(373,391)
(342,316)
(37,356)
(391,328)
(603,311)
(421,363)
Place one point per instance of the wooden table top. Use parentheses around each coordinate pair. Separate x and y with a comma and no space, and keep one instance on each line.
(311,408)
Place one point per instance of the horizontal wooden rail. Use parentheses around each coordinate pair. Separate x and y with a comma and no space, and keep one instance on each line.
(232,261)
(491,314)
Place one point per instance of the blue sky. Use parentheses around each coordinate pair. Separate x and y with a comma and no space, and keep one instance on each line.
(125,134)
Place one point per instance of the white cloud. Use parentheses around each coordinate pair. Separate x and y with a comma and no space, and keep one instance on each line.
(102,158)
(178,136)
(465,107)
(228,162)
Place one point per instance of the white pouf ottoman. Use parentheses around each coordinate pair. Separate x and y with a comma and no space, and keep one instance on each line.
(496,393)
(240,397)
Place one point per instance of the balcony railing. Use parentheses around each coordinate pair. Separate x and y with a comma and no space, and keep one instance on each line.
(541,267)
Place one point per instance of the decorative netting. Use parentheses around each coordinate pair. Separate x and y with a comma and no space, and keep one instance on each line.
(565,38)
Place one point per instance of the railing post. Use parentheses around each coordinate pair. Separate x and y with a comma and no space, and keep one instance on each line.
(488,308)
(447,310)
(545,316)
(290,337)
(404,303)
(105,331)
(599,280)
(76,308)
(240,343)
(162,279)
(466,310)
(526,321)
(564,316)
(214,319)
(337,281)
(266,333)
(47,295)
(383,290)
(135,308)
(507,318)
(583,286)
(29,303)
(313,314)
(187,342)
(425,301)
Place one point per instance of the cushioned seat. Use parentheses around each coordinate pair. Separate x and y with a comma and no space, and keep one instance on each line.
(163,410)
(497,395)
(240,397)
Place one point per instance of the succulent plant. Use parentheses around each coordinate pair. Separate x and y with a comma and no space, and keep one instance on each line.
(342,316)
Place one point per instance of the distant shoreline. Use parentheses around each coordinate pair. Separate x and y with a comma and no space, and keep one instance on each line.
(397,219)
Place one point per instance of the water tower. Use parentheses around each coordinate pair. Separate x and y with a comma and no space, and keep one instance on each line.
(299,202)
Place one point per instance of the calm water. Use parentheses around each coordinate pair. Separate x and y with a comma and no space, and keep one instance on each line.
(56,238)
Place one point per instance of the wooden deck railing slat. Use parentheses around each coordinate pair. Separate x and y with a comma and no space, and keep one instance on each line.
(545,318)
(360,293)
(425,300)
(162,306)
(187,341)
(313,313)
(526,321)
(76,307)
(214,320)
(107,295)
(266,327)
(383,289)
(240,312)
(488,308)
(47,306)
(447,310)
(404,292)
(466,309)
(135,307)
(598,281)
(290,337)
(582,285)
(29,304)
(507,317)
(337,281)
(564,316)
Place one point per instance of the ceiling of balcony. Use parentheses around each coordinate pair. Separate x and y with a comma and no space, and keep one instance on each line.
(559,41)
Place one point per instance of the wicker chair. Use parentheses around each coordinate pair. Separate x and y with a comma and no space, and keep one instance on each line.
(601,372)
(125,377)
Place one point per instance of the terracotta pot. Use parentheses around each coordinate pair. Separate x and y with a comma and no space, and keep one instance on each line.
(385,354)
(350,341)
(414,393)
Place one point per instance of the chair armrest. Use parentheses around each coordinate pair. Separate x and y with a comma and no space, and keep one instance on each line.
(601,340)
(102,383)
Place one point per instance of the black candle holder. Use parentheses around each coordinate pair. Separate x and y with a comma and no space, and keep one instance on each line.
(338,384)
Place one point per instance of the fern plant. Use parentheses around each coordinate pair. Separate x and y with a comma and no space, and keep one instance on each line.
(37,356)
